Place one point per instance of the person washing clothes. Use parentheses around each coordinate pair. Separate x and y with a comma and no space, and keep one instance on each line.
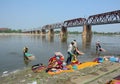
(76,50)
(70,53)
(99,49)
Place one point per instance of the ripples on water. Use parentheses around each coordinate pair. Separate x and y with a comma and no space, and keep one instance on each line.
(43,47)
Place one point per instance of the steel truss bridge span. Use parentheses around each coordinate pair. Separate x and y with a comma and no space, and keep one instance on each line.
(98,19)
(104,18)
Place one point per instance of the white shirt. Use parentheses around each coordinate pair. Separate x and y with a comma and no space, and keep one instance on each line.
(70,48)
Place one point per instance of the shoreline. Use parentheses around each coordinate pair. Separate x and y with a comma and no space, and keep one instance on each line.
(103,73)
(5,34)
(46,33)
(20,34)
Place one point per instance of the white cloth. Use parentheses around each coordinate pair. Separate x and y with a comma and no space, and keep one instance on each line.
(58,53)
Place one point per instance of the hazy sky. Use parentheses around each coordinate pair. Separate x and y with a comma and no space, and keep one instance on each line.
(29,14)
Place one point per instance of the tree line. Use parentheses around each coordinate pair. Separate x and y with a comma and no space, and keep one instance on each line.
(107,33)
(69,32)
(94,32)
(11,31)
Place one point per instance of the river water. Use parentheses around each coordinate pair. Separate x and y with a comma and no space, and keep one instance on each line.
(43,47)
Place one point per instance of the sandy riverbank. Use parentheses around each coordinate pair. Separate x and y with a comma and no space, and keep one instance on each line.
(99,74)
(16,34)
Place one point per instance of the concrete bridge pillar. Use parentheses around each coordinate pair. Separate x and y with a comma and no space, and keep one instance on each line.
(63,32)
(37,32)
(43,32)
(30,32)
(86,35)
(33,32)
(51,32)
(87,32)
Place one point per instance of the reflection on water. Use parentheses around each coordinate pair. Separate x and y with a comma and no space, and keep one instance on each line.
(50,38)
(43,37)
(63,39)
(26,61)
(86,42)
(43,47)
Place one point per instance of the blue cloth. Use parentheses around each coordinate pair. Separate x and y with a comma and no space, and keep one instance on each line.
(100,59)
(74,67)
(28,54)
(113,59)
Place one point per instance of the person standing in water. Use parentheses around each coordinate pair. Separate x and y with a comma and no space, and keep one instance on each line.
(27,55)
(99,49)
(76,50)
(98,46)
(26,60)
(70,53)
(25,50)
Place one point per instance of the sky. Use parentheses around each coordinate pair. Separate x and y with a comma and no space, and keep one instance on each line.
(31,14)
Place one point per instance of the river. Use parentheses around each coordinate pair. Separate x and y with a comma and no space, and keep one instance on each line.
(43,47)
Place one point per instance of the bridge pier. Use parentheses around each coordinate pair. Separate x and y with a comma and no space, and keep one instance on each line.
(86,35)
(51,32)
(43,32)
(30,32)
(37,32)
(63,32)
(33,32)
(87,32)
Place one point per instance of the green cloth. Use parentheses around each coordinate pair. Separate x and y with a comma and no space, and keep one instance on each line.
(28,54)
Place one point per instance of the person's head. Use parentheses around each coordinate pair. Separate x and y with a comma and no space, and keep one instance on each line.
(72,43)
(25,49)
(74,40)
(98,40)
